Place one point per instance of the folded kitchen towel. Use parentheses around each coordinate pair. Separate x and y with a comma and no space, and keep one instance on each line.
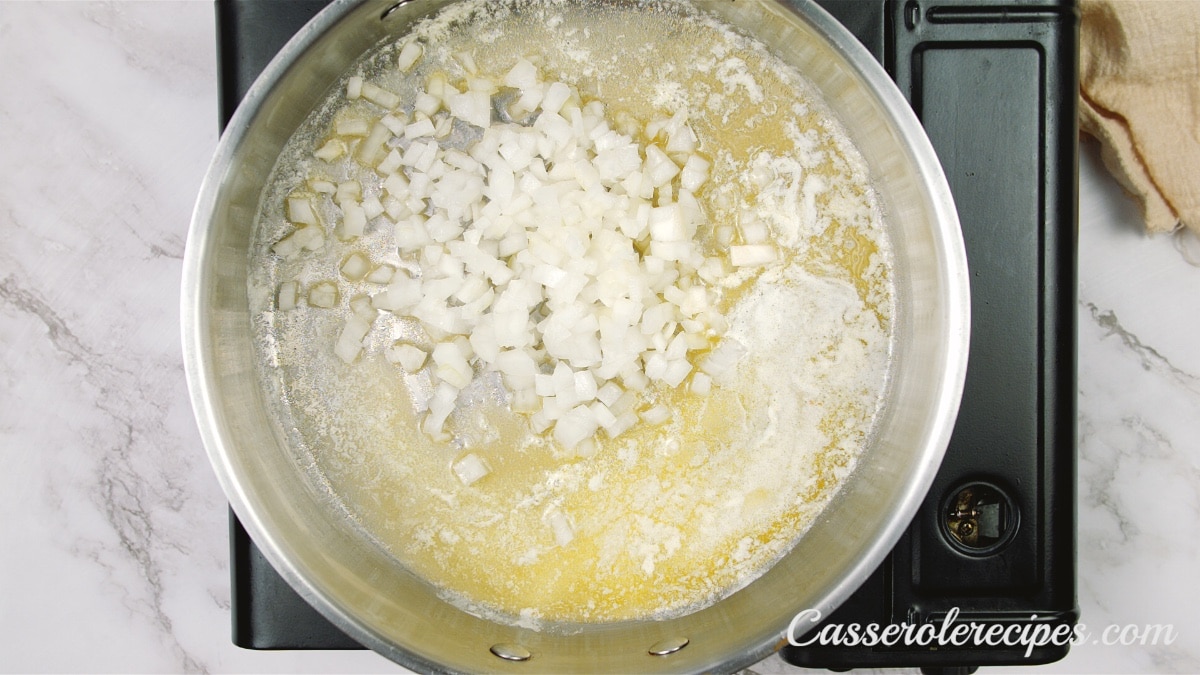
(1139,82)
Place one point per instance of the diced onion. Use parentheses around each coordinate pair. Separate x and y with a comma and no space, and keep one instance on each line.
(656,415)
(331,150)
(422,127)
(350,341)
(354,220)
(380,96)
(561,527)
(361,306)
(752,255)
(371,149)
(288,295)
(323,294)
(722,360)
(470,468)
(408,55)
(559,253)
(352,127)
(355,267)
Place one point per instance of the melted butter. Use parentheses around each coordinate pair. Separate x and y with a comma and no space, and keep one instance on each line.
(664,519)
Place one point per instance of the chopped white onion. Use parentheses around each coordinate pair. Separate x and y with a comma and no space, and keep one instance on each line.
(350,190)
(288,295)
(656,415)
(694,173)
(380,96)
(409,53)
(300,211)
(422,127)
(558,252)
(575,426)
(361,306)
(472,107)
(554,98)
(352,127)
(659,167)
(355,267)
(721,361)
(440,406)
(754,255)
(350,341)
(451,365)
(331,150)
(470,468)
(370,151)
(382,274)
(354,220)
(323,294)
(395,122)
(561,527)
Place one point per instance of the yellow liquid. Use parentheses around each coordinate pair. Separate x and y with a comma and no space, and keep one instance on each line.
(665,518)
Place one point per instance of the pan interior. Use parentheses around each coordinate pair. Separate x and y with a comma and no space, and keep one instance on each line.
(665,519)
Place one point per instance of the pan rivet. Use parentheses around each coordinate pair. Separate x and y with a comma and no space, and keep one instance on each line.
(391,9)
(668,646)
(511,652)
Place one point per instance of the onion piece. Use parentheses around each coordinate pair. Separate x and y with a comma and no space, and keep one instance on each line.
(575,426)
(287,296)
(354,220)
(451,365)
(409,54)
(472,107)
(694,173)
(300,211)
(656,415)
(556,95)
(470,468)
(330,150)
(721,361)
(561,527)
(355,266)
(323,294)
(754,255)
(380,96)
(360,306)
(440,407)
(422,127)
(659,167)
(352,127)
(350,341)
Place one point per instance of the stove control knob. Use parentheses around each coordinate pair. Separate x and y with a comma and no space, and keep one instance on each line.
(978,518)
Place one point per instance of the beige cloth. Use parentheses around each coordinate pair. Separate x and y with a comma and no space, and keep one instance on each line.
(1139,83)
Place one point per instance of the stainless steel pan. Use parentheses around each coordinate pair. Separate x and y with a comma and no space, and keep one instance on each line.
(363,591)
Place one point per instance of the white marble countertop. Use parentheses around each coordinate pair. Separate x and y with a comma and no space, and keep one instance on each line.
(115,544)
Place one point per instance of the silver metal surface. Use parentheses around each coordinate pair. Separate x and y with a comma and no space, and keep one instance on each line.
(510,652)
(360,589)
(668,646)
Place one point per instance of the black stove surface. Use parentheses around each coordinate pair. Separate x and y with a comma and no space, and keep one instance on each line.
(994,83)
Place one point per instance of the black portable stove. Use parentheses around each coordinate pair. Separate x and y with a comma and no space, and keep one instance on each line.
(994,83)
